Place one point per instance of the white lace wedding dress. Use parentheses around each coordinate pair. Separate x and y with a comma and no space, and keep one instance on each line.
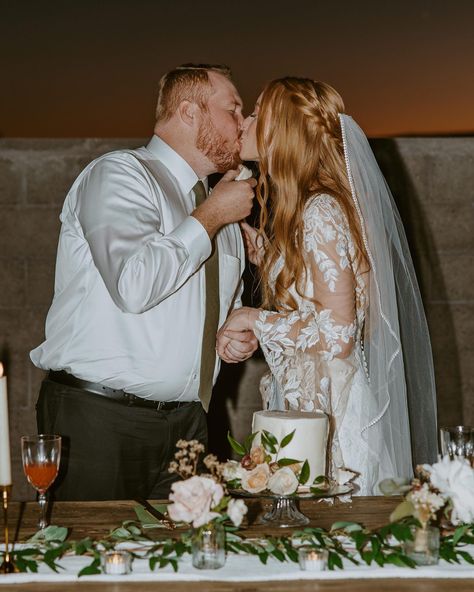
(315,353)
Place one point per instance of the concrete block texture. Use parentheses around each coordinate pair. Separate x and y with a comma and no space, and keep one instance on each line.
(432,181)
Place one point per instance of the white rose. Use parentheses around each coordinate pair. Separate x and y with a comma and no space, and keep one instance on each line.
(256,480)
(236,511)
(455,480)
(232,470)
(193,500)
(283,482)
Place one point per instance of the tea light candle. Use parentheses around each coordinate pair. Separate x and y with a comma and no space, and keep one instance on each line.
(5,461)
(117,563)
(311,559)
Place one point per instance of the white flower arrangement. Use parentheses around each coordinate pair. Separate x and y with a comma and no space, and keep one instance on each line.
(444,489)
(199,499)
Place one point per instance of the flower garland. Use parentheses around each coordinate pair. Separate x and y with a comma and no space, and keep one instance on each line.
(345,541)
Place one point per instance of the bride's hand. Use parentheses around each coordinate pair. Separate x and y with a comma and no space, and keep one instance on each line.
(253,243)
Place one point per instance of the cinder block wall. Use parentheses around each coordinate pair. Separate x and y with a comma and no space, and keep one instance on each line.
(432,180)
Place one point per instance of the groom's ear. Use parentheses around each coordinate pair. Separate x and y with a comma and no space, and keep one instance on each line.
(188,112)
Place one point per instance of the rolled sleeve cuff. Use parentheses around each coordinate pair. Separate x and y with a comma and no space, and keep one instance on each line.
(192,234)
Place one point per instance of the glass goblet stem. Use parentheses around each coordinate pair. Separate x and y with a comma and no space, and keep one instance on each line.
(43,504)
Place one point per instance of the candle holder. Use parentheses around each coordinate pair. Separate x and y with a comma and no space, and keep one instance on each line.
(7,566)
(311,559)
(116,563)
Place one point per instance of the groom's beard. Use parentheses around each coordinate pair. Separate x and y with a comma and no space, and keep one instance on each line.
(211,143)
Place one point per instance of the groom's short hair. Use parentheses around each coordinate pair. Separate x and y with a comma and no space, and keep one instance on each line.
(187,82)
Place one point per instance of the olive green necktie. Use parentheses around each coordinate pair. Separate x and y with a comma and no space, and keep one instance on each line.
(211,322)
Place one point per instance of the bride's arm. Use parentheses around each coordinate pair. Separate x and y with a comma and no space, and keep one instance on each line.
(330,329)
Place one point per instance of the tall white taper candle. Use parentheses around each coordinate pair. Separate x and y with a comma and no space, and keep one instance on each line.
(5,462)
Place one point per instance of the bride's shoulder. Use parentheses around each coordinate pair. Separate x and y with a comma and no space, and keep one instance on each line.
(325,206)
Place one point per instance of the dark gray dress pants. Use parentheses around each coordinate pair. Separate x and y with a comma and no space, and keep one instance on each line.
(110,450)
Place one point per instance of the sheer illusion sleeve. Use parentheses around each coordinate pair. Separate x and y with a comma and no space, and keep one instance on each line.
(326,325)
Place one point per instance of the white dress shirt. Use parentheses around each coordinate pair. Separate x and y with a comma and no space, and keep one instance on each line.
(129,300)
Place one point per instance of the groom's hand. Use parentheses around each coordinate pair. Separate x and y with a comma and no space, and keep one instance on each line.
(236,346)
(230,201)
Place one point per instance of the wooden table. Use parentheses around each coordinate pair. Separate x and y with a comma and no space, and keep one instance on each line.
(96,519)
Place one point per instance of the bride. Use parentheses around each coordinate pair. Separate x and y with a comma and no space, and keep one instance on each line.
(342,325)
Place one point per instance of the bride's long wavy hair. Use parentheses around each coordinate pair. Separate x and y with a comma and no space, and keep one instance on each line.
(301,154)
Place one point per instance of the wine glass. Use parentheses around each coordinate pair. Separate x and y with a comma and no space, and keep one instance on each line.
(458,441)
(41,455)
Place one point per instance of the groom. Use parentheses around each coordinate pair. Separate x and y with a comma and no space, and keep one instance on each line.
(148,267)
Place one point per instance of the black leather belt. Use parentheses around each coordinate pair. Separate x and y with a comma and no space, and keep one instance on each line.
(116,395)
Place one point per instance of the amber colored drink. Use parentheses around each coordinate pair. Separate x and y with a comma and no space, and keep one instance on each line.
(41,475)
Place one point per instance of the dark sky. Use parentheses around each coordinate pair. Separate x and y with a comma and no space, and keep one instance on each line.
(83,68)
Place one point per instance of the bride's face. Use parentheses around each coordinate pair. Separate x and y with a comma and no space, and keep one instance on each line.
(248,150)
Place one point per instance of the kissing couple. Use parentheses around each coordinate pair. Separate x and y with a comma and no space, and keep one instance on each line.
(149,270)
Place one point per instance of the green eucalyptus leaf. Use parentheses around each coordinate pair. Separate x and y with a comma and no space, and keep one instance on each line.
(346,526)
(49,534)
(236,446)
(249,441)
(91,569)
(319,479)
(287,439)
(267,443)
(459,533)
(270,437)
(286,462)
(152,562)
(304,473)
(121,533)
(334,561)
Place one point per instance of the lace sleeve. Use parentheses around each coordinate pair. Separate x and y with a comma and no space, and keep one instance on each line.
(325,325)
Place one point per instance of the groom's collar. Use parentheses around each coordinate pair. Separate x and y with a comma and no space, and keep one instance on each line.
(175,163)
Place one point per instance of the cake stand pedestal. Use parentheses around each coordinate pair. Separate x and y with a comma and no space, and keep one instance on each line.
(284,512)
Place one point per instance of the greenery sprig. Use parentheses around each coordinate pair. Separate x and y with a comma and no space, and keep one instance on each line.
(345,541)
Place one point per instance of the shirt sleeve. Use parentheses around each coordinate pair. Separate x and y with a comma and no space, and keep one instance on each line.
(139,264)
(326,328)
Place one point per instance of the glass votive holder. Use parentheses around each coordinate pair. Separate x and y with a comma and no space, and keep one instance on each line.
(424,547)
(116,563)
(311,559)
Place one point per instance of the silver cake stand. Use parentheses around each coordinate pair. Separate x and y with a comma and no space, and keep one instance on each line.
(284,512)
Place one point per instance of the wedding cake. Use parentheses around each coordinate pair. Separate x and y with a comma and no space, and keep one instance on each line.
(309,441)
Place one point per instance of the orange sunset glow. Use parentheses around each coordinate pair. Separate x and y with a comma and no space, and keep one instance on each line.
(90,69)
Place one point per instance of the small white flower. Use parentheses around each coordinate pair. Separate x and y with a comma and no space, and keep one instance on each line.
(283,482)
(236,511)
(232,470)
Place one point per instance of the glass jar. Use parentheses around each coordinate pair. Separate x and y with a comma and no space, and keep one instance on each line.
(424,548)
(208,546)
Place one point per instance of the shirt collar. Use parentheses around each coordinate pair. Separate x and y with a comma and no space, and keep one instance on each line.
(175,163)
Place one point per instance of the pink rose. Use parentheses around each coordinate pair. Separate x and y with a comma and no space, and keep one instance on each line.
(255,480)
(193,500)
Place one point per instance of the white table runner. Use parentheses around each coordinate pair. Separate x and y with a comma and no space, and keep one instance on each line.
(239,568)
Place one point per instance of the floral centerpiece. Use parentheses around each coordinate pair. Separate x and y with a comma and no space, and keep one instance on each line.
(263,468)
(440,494)
(201,500)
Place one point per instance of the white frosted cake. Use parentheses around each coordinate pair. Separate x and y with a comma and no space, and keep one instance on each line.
(309,441)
